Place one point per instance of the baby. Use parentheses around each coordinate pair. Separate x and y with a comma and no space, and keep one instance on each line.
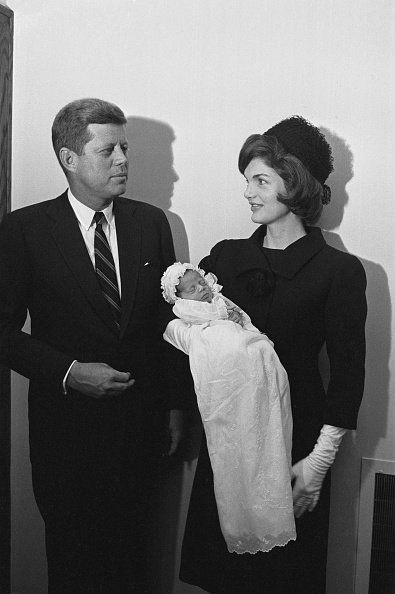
(243,397)
(193,286)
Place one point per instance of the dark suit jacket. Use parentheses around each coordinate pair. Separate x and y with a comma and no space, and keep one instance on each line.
(45,269)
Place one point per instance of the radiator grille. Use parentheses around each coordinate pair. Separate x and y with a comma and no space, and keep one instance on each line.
(382,559)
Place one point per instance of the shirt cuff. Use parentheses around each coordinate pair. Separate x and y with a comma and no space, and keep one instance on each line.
(66,376)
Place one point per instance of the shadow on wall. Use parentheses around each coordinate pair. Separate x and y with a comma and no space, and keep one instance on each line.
(372,420)
(151,172)
(343,172)
(151,179)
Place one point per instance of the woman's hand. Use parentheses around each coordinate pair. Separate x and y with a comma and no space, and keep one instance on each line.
(307,487)
(310,472)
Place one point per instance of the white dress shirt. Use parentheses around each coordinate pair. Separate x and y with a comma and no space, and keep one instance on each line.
(87,227)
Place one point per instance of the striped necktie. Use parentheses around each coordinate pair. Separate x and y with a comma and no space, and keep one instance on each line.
(105,268)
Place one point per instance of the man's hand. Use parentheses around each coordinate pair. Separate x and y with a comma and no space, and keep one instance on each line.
(98,380)
(176,429)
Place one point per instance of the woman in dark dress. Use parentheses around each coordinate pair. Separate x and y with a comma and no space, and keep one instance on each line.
(303,294)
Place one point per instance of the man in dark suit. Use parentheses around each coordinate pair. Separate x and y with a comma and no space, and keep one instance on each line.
(95,359)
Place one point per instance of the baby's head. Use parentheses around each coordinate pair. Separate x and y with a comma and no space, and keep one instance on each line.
(185,281)
(193,286)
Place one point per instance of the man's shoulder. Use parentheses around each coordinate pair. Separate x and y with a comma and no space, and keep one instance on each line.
(133,203)
(143,208)
(37,208)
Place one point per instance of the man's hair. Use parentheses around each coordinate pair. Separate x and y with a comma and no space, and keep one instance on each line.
(70,126)
(305,195)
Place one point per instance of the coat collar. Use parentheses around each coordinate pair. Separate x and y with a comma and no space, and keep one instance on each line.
(251,255)
(70,242)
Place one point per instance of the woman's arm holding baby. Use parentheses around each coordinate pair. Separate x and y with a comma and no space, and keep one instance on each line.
(178,334)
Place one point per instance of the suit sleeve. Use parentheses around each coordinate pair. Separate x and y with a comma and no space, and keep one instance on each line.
(345,318)
(18,350)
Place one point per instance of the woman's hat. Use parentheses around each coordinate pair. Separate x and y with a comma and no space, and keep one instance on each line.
(306,142)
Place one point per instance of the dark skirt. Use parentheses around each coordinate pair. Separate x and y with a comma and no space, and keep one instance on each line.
(299,567)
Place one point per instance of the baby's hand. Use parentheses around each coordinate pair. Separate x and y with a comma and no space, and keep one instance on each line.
(235,315)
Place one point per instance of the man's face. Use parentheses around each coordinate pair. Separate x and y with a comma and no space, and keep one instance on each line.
(102,170)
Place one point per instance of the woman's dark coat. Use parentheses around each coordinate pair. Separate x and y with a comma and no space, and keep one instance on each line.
(301,297)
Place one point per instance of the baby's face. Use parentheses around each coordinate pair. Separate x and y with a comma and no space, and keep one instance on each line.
(193,286)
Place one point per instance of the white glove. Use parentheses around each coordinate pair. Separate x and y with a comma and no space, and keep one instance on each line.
(309,473)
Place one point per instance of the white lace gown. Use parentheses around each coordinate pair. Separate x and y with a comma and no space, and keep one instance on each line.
(243,398)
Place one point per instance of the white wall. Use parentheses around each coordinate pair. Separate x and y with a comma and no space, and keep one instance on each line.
(195,79)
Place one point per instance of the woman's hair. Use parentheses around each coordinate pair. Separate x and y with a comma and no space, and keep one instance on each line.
(70,126)
(305,195)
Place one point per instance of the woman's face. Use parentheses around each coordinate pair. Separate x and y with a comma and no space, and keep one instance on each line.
(263,186)
(193,286)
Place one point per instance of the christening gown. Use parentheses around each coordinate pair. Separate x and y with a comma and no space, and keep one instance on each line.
(243,398)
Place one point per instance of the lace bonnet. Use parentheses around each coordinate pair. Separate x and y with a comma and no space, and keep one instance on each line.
(171,278)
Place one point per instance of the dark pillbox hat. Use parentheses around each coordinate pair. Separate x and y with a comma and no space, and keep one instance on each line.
(306,142)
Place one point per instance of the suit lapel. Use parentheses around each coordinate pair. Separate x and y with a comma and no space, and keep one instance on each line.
(129,231)
(67,235)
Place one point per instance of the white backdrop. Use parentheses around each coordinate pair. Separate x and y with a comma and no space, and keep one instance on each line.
(195,78)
